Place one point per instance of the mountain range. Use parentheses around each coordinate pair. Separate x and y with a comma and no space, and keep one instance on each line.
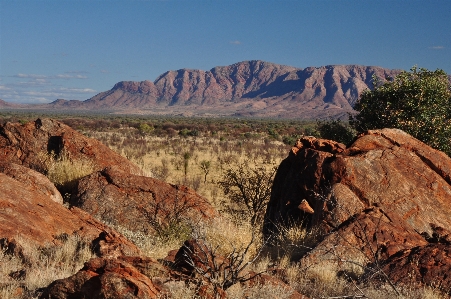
(250,88)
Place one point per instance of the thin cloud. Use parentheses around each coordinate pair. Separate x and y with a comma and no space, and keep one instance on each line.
(41,91)
(437,47)
(235,42)
(65,76)
(3,87)
(30,76)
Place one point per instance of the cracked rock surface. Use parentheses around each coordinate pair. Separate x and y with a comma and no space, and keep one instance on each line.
(385,199)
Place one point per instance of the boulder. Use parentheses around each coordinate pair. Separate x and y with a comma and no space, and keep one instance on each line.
(138,203)
(369,237)
(385,168)
(39,182)
(374,202)
(31,144)
(31,216)
(428,265)
(103,278)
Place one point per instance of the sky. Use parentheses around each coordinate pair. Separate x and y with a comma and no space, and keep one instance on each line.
(74,49)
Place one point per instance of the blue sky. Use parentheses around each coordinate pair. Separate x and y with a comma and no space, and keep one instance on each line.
(74,49)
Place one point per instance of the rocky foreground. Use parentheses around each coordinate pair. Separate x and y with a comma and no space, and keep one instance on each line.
(383,202)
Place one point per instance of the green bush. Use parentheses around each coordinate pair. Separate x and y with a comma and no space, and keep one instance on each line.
(417,102)
(337,130)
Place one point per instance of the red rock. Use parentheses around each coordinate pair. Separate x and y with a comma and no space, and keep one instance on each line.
(103,278)
(138,203)
(39,220)
(196,254)
(428,265)
(37,181)
(386,194)
(385,168)
(31,143)
(373,235)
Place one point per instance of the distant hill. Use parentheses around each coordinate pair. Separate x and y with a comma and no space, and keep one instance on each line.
(4,104)
(249,88)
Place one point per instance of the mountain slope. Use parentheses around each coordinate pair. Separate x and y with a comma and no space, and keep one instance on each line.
(249,88)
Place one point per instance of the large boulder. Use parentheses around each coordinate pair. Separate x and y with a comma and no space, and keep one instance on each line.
(31,216)
(138,203)
(31,144)
(385,168)
(373,202)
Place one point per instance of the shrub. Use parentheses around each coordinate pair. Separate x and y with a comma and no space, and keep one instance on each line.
(335,129)
(249,188)
(417,102)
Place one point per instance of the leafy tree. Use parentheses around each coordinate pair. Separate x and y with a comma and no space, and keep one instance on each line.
(335,129)
(145,128)
(417,102)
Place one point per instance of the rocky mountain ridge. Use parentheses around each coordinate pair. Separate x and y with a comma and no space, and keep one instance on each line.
(248,88)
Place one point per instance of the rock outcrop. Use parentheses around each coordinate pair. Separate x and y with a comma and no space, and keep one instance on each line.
(429,264)
(32,216)
(139,203)
(385,168)
(31,144)
(39,182)
(380,197)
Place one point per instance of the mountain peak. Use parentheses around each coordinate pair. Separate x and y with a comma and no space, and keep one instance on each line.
(253,87)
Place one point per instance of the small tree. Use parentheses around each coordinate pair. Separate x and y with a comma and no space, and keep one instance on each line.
(186,157)
(417,102)
(249,188)
(205,166)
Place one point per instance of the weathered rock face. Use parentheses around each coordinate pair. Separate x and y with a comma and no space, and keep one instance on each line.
(107,278)
(31,143)
(370,236)
(385,168)
(136,202)
(36,218)
(430,265)
(375,200)
(39,182)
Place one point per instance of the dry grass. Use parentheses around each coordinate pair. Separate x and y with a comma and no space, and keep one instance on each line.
(163,158)
(42,265)
(64,172)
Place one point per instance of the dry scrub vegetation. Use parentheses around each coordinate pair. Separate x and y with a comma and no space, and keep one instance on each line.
(203,154)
